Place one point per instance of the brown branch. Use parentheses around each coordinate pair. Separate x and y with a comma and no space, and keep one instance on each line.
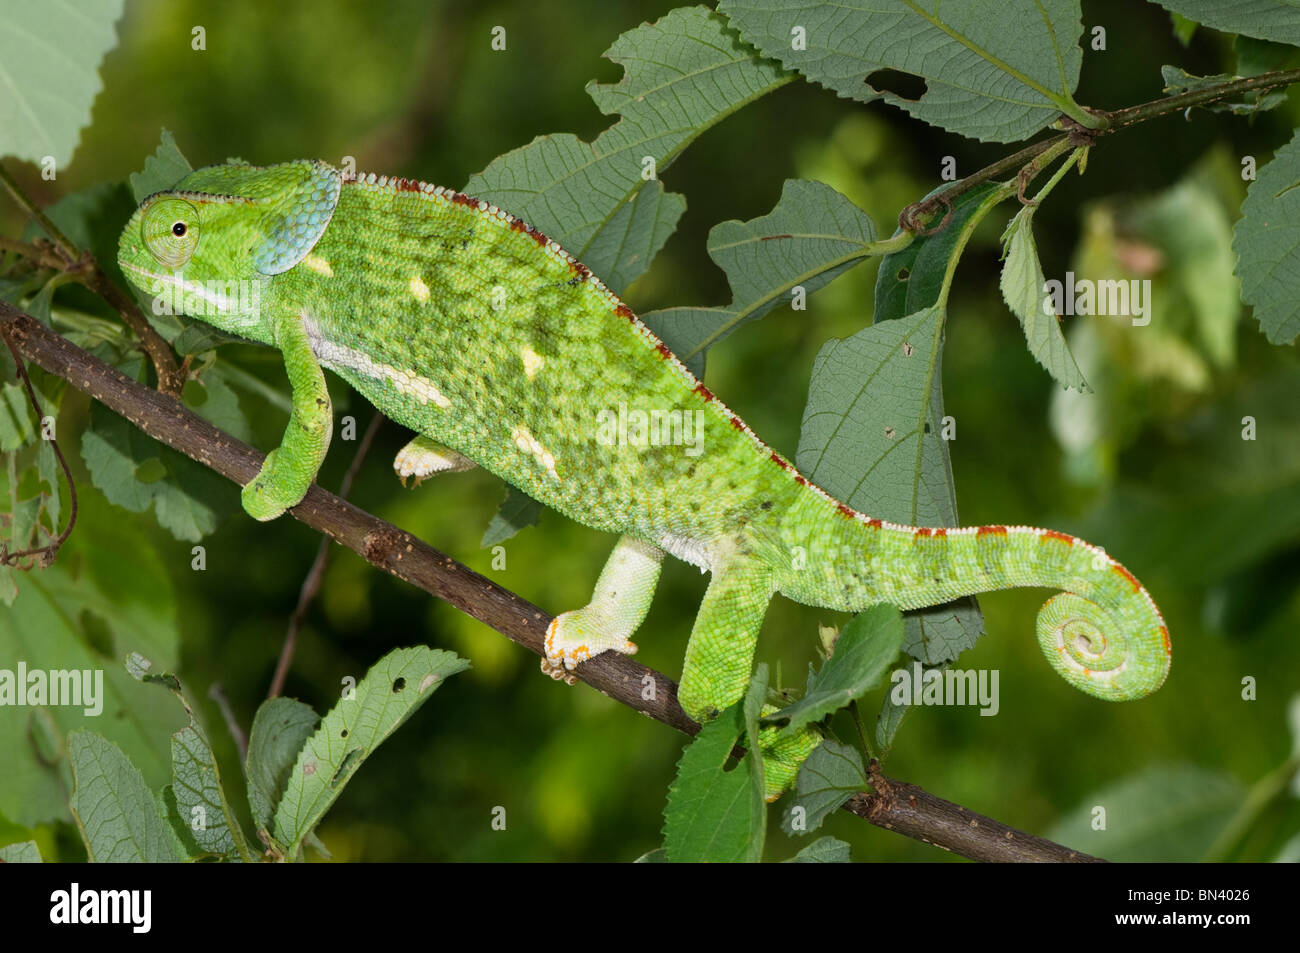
(897,806)
(1028,160)
(82,266)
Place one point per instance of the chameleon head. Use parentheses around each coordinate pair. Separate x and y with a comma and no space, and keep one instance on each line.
(207,246)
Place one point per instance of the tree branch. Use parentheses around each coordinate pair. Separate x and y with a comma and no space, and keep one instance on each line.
(896,805)
(912,217)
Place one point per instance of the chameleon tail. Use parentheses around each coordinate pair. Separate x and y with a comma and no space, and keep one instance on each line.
(1102,633)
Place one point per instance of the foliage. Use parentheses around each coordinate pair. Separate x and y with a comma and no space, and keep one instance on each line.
(1147,419)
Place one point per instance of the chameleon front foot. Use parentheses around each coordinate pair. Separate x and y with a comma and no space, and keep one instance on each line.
(424,457)
(270,493)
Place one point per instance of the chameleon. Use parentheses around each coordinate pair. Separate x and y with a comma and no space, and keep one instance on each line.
(500,350)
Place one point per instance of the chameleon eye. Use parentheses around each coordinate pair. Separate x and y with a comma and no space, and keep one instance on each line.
(170,230)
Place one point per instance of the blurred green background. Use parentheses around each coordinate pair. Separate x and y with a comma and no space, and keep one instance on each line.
(1152,466)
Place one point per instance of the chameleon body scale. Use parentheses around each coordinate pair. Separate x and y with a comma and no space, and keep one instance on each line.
(499,349)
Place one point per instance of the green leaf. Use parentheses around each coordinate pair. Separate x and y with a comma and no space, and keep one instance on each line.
(115,810)
(683,74)
(866,648)
(1180,81)
(280,729)
(1266,19)
(813,235)
(391,691)
(1184,29)
(715,811)
(1170,815)
(161,171)
(995,70)
(92,219)
(50,473)
(824,850)
(1266,240)
(832,774)
(517,511)
(109,594)
(17,422)
(1023,287)
(123,463)
(911,279)
(202,810)
(24,853)
(1262,56)
(49,68)
(871,437)
(200,799)
(214,399)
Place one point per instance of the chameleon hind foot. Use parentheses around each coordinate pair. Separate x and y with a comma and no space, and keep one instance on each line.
(580,634)
(618,604)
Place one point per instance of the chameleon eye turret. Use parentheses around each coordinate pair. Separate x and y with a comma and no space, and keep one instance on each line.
(170,230)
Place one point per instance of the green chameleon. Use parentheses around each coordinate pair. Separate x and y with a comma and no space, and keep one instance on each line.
(499,349)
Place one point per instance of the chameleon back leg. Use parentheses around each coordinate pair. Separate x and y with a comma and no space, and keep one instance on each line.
(618,605)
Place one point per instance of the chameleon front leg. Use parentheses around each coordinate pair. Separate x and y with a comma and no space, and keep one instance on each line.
(290,468)
(425,457)
(618,605)
(720,658)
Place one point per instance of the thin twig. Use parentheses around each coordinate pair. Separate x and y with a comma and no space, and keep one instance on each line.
(84,267)
(923,817)
(50,550)
(311,584)
(911,218)
(218,695)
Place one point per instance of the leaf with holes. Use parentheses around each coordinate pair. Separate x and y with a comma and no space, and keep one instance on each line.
(871,437)
(813,235)
(390,693)
(995,70)
(683,74)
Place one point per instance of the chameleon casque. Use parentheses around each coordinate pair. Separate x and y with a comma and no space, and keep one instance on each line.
(499,349)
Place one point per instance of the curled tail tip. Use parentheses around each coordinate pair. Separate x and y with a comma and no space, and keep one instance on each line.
(1117,652)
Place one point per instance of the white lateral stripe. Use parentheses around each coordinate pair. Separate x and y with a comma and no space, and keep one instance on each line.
(335,356)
